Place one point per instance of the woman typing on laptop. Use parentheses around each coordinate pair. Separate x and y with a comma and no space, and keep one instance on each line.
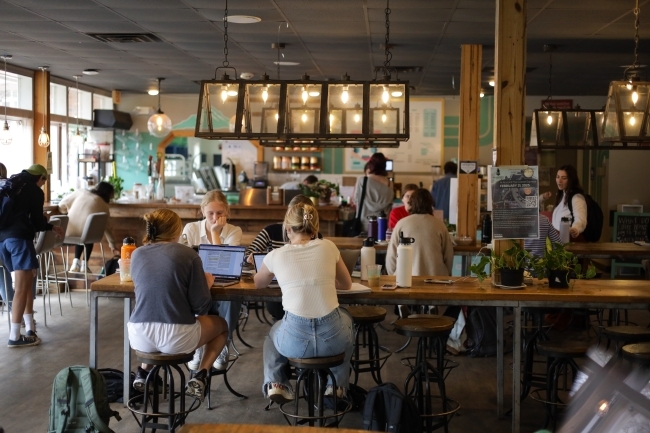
(309,271)
(172,298)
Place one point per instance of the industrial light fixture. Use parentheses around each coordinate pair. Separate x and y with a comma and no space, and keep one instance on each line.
(153,92)
(159,124)
(342,113)
(77,140)
(43,137)
(5,134)
(626,113)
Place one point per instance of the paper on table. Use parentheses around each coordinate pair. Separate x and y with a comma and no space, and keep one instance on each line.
(356,288)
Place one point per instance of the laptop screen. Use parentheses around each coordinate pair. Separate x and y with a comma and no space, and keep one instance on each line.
(258,258)
(222,261)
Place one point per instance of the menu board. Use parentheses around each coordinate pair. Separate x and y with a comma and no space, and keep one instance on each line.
(515,209)
(630,227)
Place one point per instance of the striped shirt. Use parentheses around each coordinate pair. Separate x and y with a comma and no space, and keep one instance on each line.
(270,238)
(537,246)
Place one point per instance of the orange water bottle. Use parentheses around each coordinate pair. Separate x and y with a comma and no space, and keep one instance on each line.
(128,245)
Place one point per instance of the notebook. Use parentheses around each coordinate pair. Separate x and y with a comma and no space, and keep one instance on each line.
(258,259)
(224,262)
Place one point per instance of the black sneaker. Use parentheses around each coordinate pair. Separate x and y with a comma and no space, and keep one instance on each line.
(140,379)
(25,340)
(196,385)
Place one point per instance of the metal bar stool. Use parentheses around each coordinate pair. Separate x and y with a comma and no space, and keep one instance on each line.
(364,318)
(312,379)
(560,357)
(149,415)
(638,353)
(627,335)
(432,332)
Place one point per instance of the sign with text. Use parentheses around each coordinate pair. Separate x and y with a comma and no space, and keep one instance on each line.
(557,104)
(515,208)
(468,167)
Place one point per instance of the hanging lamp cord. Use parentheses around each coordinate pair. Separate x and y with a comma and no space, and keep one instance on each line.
(5,104)
(225,36)
(637,12)
(159,80)
(45,96)
(550,76)
(387,52)
(77,78)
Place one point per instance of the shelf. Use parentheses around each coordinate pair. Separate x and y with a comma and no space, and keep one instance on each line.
(296,170)
(297,151)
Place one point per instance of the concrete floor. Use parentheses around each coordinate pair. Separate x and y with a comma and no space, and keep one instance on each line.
(26,375)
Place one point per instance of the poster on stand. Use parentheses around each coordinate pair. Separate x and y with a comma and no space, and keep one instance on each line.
(515,196)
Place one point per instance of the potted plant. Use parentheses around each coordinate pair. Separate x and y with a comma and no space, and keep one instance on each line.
(321,191)
(117,183)
(560,265)
(510,264)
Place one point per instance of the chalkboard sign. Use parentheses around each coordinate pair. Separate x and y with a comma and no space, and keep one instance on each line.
(630,227)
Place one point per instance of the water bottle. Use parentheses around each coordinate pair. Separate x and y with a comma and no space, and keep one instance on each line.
(389,233)
(368,257)
(486,230)
(382,224)
(565,227)
(372,226)
(404,272)
(128,245)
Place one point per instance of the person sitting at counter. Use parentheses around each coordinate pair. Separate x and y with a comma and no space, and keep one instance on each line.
(171,288)
(270,238)
(397,213)
(309,271)
(214,229)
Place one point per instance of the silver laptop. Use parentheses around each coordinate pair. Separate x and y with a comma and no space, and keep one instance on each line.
(224,262)
(258,259)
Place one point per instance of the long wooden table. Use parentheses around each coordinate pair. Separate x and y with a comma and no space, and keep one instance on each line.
(632,294)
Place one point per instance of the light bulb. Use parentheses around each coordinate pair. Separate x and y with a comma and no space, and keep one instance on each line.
(383,118)
(629,86)
(265,94)
(314,93)
(159,125)
(277,116)
(357,118)
(305,95)
(77,140)
(5,135)
(224,94)
(232,93)
(491,83)
(304,117)
(481,94)
(632,121)
(396,93)
(549,119)
(43,138)
(345,96)
(635,97)
(385,96)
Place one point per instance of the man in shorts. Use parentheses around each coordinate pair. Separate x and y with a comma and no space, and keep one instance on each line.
(17,250)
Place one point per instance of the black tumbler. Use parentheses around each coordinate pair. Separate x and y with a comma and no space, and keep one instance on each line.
(486,230)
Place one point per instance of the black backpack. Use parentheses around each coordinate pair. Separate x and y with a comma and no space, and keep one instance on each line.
(387,409)
(481,331)
(594,219)
(9,189)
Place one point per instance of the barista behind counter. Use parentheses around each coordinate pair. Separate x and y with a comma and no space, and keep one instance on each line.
(295,185)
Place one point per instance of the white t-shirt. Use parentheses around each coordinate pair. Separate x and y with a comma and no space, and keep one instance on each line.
(306,274)
(579,213)
(196,234)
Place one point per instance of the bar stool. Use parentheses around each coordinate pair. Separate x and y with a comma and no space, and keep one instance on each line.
(312,375)
(149,415)
(638,353)
(560,357)
(432,333)
(532,335)
(627,335)
(364,319)
(232,358)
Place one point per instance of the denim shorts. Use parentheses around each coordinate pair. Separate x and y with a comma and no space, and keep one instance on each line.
(18,254)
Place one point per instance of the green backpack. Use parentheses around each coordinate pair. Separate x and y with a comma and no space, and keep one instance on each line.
(80,402)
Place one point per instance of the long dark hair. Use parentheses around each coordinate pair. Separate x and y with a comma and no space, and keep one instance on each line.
(105,190)
(573,186)
(377,164)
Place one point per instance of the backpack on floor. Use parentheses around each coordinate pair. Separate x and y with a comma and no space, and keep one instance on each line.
(79,402)
(387,409)
(9,189)
(594,219)
(481,328)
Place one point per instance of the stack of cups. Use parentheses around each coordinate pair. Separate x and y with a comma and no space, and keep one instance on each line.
(125,269)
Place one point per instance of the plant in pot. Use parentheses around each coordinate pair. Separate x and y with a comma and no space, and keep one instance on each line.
(560,265)
(510,264)
(118,185)
(321,189)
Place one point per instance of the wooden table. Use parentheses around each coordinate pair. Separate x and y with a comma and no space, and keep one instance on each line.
(632,294)
(609,250)
(257,428)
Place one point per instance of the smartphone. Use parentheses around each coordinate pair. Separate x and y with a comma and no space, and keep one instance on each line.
(389,287)
(431,281)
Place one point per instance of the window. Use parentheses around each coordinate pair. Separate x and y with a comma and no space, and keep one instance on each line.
(85,104)
(101,102)
(19,154)
(57,99)
(19,91)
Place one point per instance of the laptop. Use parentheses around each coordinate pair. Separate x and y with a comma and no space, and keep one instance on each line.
(224,262)
(258,259)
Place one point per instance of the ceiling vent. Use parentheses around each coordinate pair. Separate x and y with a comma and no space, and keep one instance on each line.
(124,38)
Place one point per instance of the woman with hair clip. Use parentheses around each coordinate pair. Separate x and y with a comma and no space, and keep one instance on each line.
(172,299)
(214,229)
(309,271)
(570,191)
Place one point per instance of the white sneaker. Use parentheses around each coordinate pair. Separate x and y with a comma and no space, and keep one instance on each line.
(329,391)
(280,393)
(196,361)
(75,266)
(222,360)
(83,266)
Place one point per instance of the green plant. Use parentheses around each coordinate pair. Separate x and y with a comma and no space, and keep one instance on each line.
(117,183)
(322,189)
(514,257)
(557,258)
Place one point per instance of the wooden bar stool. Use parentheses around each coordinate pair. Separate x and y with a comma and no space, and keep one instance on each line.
(638,353)
(560,357)
(627,335)
(150,400)
(417,385)
(364,318)
(312,375)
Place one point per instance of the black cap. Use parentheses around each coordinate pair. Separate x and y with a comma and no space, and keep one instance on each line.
(405,241)
(369,242)
(128,240)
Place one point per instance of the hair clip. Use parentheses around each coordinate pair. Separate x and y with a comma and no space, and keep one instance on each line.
(307,216)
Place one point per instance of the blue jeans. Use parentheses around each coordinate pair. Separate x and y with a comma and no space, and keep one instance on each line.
(229,310)
(299,337)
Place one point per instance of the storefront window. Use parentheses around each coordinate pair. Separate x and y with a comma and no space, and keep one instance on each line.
(19,91)
(57,99)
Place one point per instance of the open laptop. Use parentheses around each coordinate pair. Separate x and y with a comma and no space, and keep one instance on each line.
(258,259)
(224,262)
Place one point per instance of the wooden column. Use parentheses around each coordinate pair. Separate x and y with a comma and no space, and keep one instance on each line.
(470,89)
(41,98)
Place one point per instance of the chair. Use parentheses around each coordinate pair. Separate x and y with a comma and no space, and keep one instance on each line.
(371,361)
(93,232)
(45,244)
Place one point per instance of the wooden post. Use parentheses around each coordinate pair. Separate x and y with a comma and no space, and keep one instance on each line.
(470,88)
(41,98)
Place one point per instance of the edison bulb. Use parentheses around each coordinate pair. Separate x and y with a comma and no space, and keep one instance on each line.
(5,135)
(331,119)
(305,95)
(277,116)
(345,96)
(549,119)
(77,140)
(385,96)
(224,94)
(632,121)
(357,118)
(265,94)
(635,97)
(383,118)
(481,94)
(43,138)
(159,125)
(629,86)
(304,117)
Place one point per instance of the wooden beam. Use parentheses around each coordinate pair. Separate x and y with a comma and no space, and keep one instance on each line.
(41,102)
(470,88)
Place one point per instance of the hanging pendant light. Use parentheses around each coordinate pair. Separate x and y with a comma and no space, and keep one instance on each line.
(160,124)
(5,134)
(43,137)
(77,140)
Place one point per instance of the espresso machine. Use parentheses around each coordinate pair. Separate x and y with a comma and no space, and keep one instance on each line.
(260,174)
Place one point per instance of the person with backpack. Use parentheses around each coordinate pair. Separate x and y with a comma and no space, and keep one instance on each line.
(570,202)
(17,248)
